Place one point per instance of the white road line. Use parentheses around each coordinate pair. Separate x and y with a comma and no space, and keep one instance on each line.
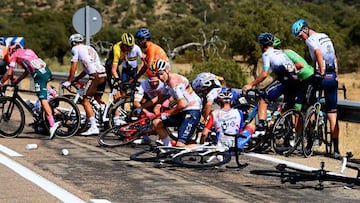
(100,201)
(8,151)
(43,183)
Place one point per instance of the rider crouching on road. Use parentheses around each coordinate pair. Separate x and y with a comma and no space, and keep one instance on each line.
(187,112)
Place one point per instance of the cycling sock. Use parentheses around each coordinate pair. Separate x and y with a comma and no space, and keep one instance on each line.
(92,121)
(166,141)
(51,120)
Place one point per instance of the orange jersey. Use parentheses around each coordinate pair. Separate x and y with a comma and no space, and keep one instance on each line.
(3,51)
(153,53)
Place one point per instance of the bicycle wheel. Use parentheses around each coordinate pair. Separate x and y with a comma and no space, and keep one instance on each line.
(65,111)
(123,108)
(12,117)
(325,135)
(309,132)
(202,159)
(286,135)
(115,137)
(147,155)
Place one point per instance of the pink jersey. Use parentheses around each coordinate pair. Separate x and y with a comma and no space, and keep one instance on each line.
(28,59)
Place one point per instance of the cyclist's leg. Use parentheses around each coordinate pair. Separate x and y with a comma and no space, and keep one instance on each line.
(188,126)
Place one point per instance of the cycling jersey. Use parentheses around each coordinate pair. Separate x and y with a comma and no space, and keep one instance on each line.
(225,121)
(88,57)
(180,90)
(278,62)
(153,53)
(132,57)
(27,59)
(304,72)
(323,42)
(146,89)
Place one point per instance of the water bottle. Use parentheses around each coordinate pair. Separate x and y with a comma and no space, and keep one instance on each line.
(268,116)
(32,146)
(242,141)
(321,118)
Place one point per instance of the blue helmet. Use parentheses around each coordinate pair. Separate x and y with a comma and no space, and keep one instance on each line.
(297,26)
(266,39)
(143,33)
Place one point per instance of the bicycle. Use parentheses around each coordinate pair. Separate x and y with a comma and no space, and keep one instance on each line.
(316,125)
(210,154)
(127,133)
(294,175)
(13,115)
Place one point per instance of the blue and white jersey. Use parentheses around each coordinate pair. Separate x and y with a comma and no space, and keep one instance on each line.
(278,62)
(323,42)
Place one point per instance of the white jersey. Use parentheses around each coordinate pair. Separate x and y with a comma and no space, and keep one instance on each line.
(323,42)
(277,61)
(225,121)
(146,89)
(179,91)
(134,54)
(88,58)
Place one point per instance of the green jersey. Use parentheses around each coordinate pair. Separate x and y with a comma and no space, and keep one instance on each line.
(306,71)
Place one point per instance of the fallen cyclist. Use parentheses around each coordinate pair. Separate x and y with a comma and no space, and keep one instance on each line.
(227,120)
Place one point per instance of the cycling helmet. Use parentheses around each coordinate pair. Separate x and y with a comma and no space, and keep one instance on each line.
(205,82)
(159,65)
(74,38)
(128,39)
(266,39)
(277,42)
(143,33)
(297,26)
(225,96)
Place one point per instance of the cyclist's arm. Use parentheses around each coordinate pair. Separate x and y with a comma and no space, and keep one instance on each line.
(208,125)
(81,75)
(207,109)
(320,61)
(72,70)
(263,75)
(23,75)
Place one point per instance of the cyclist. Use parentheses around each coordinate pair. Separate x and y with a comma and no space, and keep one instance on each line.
(126,53)
(91,65)
(227,120)
(153,51)
(149,98)
(39,71)
(285,82)
(186,114)
(305,73)
(4,57)
(323,55)
(208,87)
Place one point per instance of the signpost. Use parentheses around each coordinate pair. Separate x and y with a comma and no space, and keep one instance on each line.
(87,21)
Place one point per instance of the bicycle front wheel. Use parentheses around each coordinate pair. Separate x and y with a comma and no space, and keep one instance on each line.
(114,137)
(65,111)
(287,133)
(12,117)
(122,108)
(202,159)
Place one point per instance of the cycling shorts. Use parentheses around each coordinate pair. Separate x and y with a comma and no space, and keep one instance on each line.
(41,78)
(95,85)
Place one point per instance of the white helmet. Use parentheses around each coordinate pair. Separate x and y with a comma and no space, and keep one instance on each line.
(205,81)
(74,38)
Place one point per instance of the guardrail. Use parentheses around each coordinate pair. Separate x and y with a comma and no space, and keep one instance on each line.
(347,110)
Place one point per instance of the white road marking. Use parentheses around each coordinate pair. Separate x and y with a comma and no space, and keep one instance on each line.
(8,151)
(38,180)
(100,201)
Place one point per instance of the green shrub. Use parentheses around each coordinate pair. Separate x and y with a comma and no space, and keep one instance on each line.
(229,69)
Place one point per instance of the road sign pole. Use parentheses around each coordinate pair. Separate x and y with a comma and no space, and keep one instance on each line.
(87,25)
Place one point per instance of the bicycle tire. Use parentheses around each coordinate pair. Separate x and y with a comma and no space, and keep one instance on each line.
(202,159)
(326,136)
(67,112)
(146,155)
(284,139)
(309,133)
(114,137)
(124,113)
(12,118)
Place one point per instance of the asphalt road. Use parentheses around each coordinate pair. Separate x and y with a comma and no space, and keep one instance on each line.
(95,174)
